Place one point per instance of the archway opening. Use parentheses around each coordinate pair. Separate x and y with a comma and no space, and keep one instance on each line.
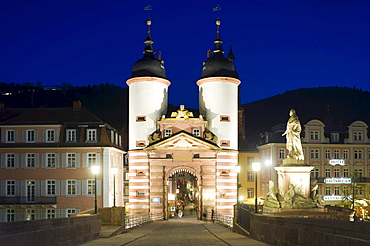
(183,194)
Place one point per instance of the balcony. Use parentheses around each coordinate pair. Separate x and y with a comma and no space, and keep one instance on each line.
(16,200)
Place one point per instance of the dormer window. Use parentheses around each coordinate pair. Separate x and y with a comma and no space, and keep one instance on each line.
(335,137)
(357,136)
(314,135)
(196,132)
(167,133)
(30,136)
(10,136)
(71,135)
(91,135)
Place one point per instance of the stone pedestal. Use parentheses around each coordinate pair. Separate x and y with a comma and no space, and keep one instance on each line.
(296,174)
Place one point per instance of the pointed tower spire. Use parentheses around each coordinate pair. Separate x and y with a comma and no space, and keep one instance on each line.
(218,41)
(231,56)
(148,41)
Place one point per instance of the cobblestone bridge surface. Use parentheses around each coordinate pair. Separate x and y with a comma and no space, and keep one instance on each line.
(185,231)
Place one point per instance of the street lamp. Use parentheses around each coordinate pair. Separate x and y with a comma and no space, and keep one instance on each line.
(256,167)
(95,170)
(114,172)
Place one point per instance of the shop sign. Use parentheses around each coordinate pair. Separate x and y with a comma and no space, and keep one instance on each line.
(335,198)
(336,162)
(337,180)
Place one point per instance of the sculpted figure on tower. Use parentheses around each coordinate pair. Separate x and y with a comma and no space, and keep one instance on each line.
(293,137)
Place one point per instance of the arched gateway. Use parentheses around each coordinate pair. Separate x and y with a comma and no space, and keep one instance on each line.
(182,169)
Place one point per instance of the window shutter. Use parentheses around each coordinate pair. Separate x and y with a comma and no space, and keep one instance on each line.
(37,188)
(64,160)
(23,188)
(3,160)
(23,164)
(98,159)
(2,215)
(84,187)
(2,187)
(16,160)
(36,135)
(3,136)
(78,187)
(64,187)
(57,187)
(56,135)
(37,164)
(20,214)
(15,135)
(78,161)
(37,214)
(56,160)
(64,213)
(43,187)
(43,214)
(57,213)
(17,188)
(84,160)
(44,135)
(24,135)
(44,160)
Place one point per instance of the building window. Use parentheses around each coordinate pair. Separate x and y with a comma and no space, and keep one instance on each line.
(196,156)
(327,154)
(10,188)
(10,215)
(196,132)
(328,173)
(346,172)
(335,137)
(140,118)
(71,187)
(250,160)
(336,154)
(50,136)
(91,135)
(358,154)
(10,136)
(315,173)
(358,172)
(50,187)
(250,176)
(336,173)
(314,154)
(225,143)
(51,213)
(71,135)
(225,118)
(250,192)
(336,191)
(368,155)
(91,159)
(168,156)
(345,154)
(167,133)
(90,187)
(30,135)
(72,211)
(50,160)
(327,191)
(140,143)
(30,214)
(10,160)
(314,135)
(345,191)
(71,160)
(281,153)
(30,160)
(357,136)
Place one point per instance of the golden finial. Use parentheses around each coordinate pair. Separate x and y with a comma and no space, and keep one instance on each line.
(148,22)
(218,22)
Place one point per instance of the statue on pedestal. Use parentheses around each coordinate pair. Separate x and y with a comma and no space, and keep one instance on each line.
(293,137)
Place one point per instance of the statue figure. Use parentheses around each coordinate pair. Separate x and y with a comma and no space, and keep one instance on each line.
(288,197)
(293,137)
(271,198)
(182,113)
(155,136)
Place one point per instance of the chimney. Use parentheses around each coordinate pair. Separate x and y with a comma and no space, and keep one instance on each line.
(76,105)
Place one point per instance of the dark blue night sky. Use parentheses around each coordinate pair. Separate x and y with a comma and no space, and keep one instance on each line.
(278,45)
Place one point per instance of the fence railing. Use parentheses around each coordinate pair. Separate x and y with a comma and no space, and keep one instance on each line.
(224,219)
(137,220)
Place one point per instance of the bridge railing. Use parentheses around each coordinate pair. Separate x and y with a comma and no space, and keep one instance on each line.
(224,219)
(140,219)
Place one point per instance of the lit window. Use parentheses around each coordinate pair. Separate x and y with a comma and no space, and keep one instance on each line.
(30,214)
(196,132)
(71,187)
(71,135)
(91,135)
(71,160)
(327,154)
(50,160)
(167,133)
(281,153)
(10,136)
(90,187)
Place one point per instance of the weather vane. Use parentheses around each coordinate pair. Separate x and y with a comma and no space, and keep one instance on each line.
(148,7)
(217,8)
